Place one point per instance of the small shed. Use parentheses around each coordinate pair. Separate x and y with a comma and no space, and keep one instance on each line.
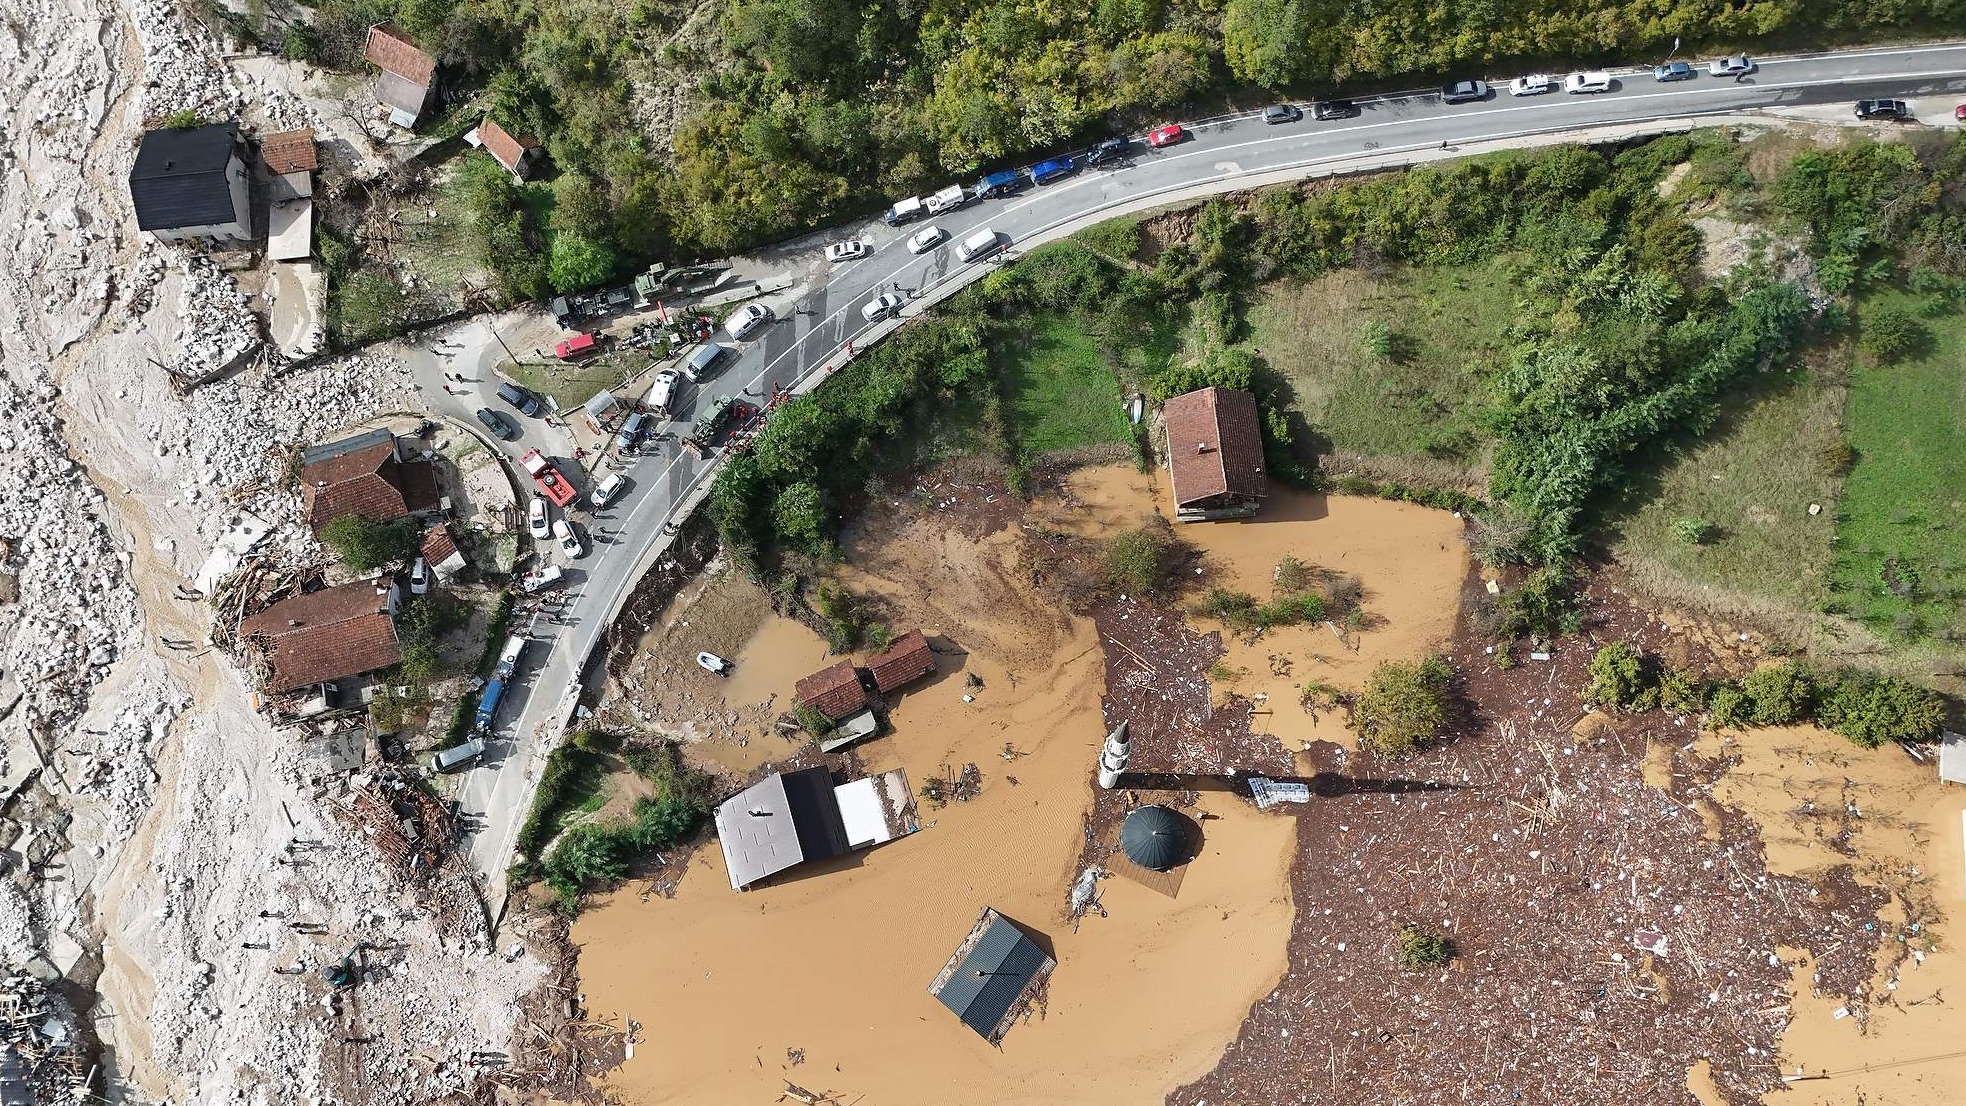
(1214,454)
(517,154)
(904,661)
(600,403)
(408,82)
(441,553)
(992,976)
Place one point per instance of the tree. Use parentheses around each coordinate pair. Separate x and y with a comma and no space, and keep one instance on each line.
(1778,694)
(798,516)
(365,545)
(1137,562)
(1403,707)
(1263,41)
(1890,332)
(372,305)
(1871,710)
(579,262)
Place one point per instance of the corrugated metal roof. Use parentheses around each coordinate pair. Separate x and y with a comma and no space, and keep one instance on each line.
(783,820)
(179,179)
(990,979)
(1214,445)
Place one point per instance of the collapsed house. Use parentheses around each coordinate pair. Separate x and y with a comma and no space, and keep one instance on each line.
(314,651)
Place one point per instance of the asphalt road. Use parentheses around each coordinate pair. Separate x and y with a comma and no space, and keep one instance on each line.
(820,317)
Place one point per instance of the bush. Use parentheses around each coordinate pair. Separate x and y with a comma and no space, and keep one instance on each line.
(1420,949)
(1619,679)
(1891,332)
(371,305)
(365,545)
(1728,708)
(1403,707)
(1692,531)
(1681,692)
(1544,606)
(183,120)
(1778,695)
(1871,710)
(1138,561)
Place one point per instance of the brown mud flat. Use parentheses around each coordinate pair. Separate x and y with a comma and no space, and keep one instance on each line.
(1556,870)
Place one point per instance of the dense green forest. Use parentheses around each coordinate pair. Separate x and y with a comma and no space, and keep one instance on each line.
(700,129)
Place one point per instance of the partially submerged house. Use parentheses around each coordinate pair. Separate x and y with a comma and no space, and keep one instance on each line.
(373,474)
(518,155)
(992,976)
(1214,454)
(407,85)
(290,159)
(836,694)
(191,183)
(311,643)
(793,818)
(907,659)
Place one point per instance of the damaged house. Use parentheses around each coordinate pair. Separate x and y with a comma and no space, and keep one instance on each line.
(313,650)
(375,475)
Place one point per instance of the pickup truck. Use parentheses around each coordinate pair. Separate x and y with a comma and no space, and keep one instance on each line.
(904,211)
(551,484)
(948,199)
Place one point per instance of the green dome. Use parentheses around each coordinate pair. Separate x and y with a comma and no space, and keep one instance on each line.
(1155,837)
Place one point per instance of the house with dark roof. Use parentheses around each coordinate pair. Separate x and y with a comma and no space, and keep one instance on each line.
(993,975)
(518,155)
(373,475)
(793,818)
(907,659)
(324,636)
(407,85)
(191,183)
(1214,454)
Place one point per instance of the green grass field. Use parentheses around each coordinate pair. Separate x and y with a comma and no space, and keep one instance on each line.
(1901,528)
(1417,405)
(1062,394)
(1753,478)
(570,385)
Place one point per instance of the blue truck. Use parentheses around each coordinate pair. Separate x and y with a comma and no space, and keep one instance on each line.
(508,664)
(1001,184)
(1044,172)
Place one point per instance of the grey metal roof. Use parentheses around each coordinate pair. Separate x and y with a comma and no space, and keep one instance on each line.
(1155,837)
(782,820)
(987,982)
(328,451)
(179,178)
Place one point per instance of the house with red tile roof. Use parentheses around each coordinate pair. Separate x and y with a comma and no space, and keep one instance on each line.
(322,636)
(904,661)
(1214,454)
(517,154)
(407,85)
(371,475)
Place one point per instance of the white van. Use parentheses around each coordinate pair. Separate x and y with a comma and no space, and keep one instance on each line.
(458,757)
(662,393)
(981,244)
(1589,80)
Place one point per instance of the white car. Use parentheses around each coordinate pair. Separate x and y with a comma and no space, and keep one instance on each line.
(419,578)
(1535,84)
(1734,66)
(926,239)
(746,319)
(887,303)
(846,251)
(1589,80)
(570,542)
(536,519)
(605,491)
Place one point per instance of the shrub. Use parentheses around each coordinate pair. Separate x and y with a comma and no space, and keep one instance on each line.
(1420,949)
(1871,710)
(1378,339)
(1543,606)
(1138,561)
(1680,692)
(364,545)
(1403,707)
(1618,679)
(1778,695)
(1728,708)
(1890,332)
(1291,575)
(1692,531)
(183,120)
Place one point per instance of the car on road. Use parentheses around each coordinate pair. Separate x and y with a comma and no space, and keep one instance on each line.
(926,239)
(1586,82)
(538,521)
(1333,109)
(1733,65)
(496,423)
(1462,92)
(1107,152)
(1535,84)
(458,757)
(1674,71)
(1883,109)
(846,251)
(570,543)
(1164,136)
(662,391)
(631,431)
(883,305)
(981,244)
(1282,113)
(1001,184)
(702,359)
(1044,172)
(605,492)
(746,319)
(526,402)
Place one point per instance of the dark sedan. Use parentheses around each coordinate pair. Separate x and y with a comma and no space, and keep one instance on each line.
(1333,109)
(1462,92)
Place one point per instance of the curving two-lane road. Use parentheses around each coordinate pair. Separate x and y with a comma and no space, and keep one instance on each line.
(819,322)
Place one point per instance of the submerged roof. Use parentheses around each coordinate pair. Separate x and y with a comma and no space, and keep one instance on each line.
(983,984)
(179,179)
(1155,837)
(1214,445)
